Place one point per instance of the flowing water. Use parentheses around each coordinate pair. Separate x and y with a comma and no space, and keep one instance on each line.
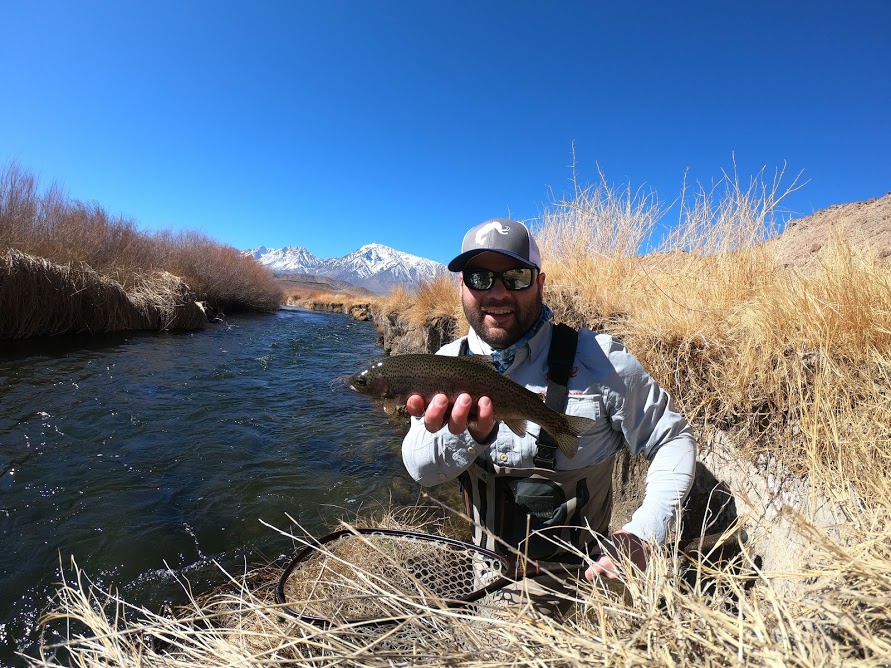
(147,457)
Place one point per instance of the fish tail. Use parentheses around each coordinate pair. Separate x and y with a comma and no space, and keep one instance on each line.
(568,441)
(568,444)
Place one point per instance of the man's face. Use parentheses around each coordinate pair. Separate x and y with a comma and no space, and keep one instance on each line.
(498,315)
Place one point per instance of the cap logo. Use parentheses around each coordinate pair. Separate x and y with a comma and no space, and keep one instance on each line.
(484,231)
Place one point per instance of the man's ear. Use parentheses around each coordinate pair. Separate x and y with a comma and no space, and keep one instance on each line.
(541,279)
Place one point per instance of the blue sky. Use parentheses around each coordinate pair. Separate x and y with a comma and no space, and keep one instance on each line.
(336,123)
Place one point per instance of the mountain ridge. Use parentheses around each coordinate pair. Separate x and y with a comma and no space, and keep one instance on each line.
(373,266)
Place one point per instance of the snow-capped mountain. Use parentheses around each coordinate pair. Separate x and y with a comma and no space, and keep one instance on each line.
(287,259)
(374,266)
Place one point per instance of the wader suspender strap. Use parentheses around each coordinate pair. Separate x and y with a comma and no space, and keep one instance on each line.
(560,358)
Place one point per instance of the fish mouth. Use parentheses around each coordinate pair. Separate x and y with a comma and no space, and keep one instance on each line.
(342,381)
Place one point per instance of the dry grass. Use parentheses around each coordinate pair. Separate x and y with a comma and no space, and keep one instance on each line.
(39,298)
(433,299)
(436,298)
(338,302)
(676,613)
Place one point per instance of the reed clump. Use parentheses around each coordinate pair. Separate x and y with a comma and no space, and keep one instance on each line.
(69,266)
(75,298)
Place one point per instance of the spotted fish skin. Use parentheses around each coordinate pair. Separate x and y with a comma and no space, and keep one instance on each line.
(396,378)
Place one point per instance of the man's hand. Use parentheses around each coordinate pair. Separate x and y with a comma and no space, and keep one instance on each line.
(439,413)
(609,564)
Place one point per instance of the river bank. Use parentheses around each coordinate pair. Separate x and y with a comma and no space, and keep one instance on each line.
(797,591)
(41,298)
(398,332)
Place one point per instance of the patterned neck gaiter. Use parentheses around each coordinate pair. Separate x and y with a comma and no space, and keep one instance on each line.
(504,357)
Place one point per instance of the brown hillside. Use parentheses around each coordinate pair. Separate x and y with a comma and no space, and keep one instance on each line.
(864,224)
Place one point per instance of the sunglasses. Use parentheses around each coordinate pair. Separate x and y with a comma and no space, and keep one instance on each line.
(513,279)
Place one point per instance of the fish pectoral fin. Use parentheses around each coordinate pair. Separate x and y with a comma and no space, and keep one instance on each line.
(391,405)
(516,426)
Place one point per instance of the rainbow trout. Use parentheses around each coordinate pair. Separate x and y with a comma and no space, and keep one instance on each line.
(396,378)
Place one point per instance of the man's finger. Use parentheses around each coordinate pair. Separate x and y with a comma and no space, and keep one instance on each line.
(415,405)
(460,413)
(604,567)
(436,413)
(481,428)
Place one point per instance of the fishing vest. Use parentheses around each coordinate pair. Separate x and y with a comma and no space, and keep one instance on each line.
(539,511)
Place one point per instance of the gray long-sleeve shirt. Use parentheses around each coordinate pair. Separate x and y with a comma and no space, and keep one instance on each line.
(608,385)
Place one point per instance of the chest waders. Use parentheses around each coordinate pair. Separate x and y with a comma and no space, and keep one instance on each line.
(539,511)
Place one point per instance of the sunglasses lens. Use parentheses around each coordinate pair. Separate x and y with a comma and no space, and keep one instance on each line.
(479,280)
(517,279)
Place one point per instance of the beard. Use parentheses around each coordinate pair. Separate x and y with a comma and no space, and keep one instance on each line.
(502,333)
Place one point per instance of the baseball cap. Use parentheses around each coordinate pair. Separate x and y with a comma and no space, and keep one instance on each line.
(498,235)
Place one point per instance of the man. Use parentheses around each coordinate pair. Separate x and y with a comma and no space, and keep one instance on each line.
(520,489)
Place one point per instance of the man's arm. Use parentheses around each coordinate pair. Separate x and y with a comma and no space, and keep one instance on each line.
(645,414)
(668,480)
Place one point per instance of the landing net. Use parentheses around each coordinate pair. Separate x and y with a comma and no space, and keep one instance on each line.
(379,575)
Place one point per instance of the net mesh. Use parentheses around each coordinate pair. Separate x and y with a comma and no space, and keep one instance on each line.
(372,576)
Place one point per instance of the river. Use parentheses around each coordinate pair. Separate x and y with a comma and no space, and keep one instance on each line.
(146,457)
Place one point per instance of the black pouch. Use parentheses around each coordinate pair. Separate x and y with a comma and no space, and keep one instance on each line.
(530,505)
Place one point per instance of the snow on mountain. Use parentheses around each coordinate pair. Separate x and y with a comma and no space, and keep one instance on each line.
(287,259)
(376,267)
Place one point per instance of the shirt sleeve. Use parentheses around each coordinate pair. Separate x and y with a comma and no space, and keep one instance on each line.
(434,458)
(642,410)
(669,478)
